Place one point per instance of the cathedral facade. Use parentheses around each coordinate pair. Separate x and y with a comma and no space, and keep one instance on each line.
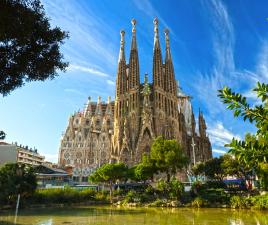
(123,130)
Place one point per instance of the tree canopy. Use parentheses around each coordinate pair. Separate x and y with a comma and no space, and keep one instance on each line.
(109,173)
(2,135)
(253,150)
(144,170)
(168,156)
(29,47)
(16,179)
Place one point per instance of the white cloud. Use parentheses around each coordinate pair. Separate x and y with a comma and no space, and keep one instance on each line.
(89,34)
(262,65)
(223,71)
(74,91)
(219,135)
(219,151)
(110,82)
(86,69)
(146,7)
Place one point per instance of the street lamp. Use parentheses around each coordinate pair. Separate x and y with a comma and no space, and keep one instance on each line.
(193,146)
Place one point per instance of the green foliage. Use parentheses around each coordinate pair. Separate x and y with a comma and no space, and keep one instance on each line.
(109,173)
(172,189)
(130,196)
(218,168)
(158,203)
(2,135)
(16,179)
(29,47)
(137,197)
(197,187)
(101,196)
(198,202)
(213,168)
(238,202)
(176,189)
(260,202)
(168,156)
(66,196)
(144,170)
(198,169)
(253,150)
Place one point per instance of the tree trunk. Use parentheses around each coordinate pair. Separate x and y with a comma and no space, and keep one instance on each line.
(168,177)
(111,192)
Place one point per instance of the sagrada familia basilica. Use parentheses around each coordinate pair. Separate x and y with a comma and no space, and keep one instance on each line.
(123,130)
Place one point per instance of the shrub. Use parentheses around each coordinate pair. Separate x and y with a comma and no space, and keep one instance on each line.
(149,190)
(215,184)
(102,196)
(197,186)
(176,189)
(198,202)
(158,203)
(238,202)
(162,186)
(260,202)
(129,198)
(65,195)
(215,195)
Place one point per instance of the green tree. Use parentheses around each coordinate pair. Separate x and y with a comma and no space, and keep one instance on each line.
(168,156)
(29,47)
(213,169)
(253,150)
(232,167)
(16,179)
(2,135)
(144,170)
(109,174)
(198,169)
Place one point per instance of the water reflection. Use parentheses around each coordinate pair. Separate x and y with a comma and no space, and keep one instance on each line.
(136,216)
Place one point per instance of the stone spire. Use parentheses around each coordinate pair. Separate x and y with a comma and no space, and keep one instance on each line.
(109,107)
(202,125)
(156,35)
(134,70)
(122,47)
(98,107)
(134,41)
(170,82)
(88,109)
(157,59)
(168,54)
(121,78)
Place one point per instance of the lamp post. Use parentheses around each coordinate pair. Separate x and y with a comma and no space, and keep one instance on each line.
(193,146)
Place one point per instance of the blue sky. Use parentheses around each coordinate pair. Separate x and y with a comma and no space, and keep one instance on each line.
(213,43)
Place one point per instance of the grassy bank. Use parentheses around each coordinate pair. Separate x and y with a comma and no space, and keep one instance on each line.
(161,196)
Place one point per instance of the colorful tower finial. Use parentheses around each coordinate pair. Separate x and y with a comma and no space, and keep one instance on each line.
(133,21)
(122,47)
(133,42)
(156,35)
(168,54)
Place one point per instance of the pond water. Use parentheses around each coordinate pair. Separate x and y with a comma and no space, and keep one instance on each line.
(134,216)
